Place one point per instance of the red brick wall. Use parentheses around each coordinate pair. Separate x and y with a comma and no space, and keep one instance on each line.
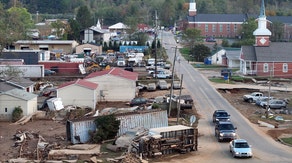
(277,70)
(226,32)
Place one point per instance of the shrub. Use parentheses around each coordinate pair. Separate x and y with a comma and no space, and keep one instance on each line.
(17,114)
(106,128)
(155,106)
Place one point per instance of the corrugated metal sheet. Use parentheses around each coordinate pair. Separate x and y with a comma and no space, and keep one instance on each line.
(152,119)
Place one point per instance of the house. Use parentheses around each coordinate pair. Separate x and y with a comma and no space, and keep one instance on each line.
(88,49)
(118,28)
(66,46)
(20,83)
(17,98)
(228,57)
(227,25)
(266,58)
(80,93)
(232,58)
(115,84)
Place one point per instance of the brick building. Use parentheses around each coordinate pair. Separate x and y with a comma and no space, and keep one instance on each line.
(228,25)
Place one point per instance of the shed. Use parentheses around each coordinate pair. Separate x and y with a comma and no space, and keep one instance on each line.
(115,84)
(17,98)
(81,93)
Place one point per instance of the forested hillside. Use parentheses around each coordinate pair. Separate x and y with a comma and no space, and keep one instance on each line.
(113,11)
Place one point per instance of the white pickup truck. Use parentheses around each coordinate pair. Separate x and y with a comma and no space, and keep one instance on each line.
(253,97)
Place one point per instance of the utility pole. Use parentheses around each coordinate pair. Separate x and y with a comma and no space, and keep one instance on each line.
(172,78)
(155,42)
(269,95)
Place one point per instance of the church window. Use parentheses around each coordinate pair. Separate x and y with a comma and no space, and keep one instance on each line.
(221,27)
(214,28)
(285,67)
(235,27)
(266,67)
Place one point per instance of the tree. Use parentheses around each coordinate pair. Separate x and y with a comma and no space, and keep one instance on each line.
(59,26)
(192,36)
(10,72)
(73,30)
(247,37)
(83,17)
(17,114)
(200,52)
(107,127)
(277,29)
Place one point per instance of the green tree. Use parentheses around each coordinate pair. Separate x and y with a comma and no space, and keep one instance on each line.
(192,36)
(59,26)
(83,17)
(107,128)
(247,37)
(200,52)
(17,114)
(73,30)
(277,29)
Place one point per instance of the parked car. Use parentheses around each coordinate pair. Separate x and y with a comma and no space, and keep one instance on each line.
(210,39)
(138,101)
(220,115)
(161,84)
(240,148)
(225,131)
(151,87)
(263,101)
(49,72)
(176,85)
(276,104)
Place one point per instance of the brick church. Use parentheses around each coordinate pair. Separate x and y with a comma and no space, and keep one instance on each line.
(228,25)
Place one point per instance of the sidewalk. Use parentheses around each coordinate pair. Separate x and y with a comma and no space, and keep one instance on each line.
(251,86)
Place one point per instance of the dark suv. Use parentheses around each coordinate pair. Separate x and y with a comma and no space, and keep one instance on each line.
(220,115)
(225,131)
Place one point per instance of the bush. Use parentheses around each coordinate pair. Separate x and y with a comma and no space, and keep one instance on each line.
(155,106)
(107,128)
(17,114)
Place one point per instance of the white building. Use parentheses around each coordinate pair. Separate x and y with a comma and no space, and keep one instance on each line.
(115,84)
(13,98)
(79,93)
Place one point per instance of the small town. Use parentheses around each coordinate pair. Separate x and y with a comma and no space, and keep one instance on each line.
(145,82)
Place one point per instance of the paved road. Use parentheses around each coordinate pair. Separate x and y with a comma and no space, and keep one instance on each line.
(207,99)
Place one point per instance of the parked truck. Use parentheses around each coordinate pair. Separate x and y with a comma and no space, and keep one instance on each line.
(253,97)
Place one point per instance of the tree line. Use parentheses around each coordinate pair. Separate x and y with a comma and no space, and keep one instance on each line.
(143,11)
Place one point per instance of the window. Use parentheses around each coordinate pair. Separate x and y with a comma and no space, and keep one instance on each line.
(266,67)
(285,67)
(221,28)
(228,27)
(214,28)
(6,109)
(235,27)
(206,28)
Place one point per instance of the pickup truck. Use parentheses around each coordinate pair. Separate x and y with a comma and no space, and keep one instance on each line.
(253,97)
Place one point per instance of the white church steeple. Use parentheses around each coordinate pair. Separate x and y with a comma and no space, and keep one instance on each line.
(262,33)
(192,8)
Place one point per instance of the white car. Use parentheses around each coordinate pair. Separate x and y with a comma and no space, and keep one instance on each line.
(240,148)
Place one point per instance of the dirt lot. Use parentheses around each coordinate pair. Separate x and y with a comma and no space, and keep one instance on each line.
(54,132)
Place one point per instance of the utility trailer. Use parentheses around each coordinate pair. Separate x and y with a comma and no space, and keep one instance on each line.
(167,140)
